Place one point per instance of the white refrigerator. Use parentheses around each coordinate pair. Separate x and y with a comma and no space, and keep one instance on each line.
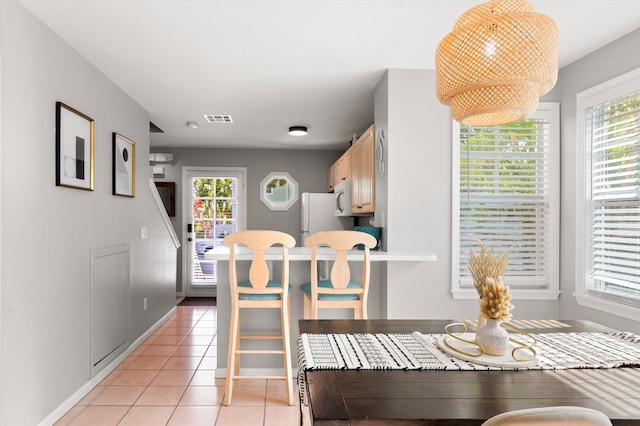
(318,214)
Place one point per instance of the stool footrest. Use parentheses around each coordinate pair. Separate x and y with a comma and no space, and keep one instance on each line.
(260,377)
(258,351)
(260,337)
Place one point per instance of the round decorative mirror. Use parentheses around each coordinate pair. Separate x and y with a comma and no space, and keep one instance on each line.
(279,191)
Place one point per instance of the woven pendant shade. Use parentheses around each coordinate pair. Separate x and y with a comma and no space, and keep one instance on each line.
(496,63)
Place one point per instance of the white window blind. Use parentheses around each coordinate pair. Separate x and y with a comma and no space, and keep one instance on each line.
(508,200)
(613,135)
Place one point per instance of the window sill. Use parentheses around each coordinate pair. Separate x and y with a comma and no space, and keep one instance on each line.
(608,306)
(516,294)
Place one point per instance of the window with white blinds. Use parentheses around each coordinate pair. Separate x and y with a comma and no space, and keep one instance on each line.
(506,193)
(613,152)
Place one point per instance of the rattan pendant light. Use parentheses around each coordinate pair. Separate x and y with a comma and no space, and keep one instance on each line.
(496,63)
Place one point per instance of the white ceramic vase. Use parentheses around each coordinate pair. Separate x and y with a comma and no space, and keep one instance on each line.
(482,321)
(493,338)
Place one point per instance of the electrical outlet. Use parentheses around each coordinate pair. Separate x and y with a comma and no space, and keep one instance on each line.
(144,304)
(144,234)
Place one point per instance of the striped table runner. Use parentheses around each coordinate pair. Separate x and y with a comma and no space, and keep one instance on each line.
(418,351)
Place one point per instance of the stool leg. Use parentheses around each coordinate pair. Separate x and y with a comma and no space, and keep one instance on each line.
(231,354)
(286,347)
(314,309)
(307,306)
(236,371)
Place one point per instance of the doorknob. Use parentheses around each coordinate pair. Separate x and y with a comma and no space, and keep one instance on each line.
(189,239)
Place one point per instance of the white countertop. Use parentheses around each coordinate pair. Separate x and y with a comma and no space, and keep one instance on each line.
(304,253)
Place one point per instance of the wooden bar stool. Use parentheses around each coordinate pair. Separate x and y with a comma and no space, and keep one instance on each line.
(259,292)
(338,291)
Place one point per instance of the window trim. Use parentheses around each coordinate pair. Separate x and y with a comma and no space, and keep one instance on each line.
(608,90)
(552,292)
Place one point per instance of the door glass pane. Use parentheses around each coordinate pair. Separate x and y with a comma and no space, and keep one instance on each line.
(214,217)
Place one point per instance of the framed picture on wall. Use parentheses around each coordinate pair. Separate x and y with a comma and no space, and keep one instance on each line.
(167,191)
(124,166)
(74,148)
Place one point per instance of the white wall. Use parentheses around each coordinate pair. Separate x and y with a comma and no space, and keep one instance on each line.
(381,120)
(602,65)
(48,231)
(418,178)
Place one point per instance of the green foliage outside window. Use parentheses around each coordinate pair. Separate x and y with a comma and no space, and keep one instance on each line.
(513,171)
(213,205)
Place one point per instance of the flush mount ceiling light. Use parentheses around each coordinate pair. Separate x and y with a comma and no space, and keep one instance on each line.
(496,63)
(297,131)
(192,124)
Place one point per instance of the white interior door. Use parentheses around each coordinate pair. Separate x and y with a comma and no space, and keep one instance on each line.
(215,199)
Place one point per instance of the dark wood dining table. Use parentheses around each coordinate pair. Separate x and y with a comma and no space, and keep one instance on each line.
(437,397)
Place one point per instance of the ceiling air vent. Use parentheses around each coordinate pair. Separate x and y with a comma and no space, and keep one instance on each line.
(211,118)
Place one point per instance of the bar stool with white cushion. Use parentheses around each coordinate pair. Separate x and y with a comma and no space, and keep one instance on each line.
(551,416)
(258,292)
(339,291)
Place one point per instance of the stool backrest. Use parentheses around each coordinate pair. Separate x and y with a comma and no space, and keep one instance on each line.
(341,242)
(258,241)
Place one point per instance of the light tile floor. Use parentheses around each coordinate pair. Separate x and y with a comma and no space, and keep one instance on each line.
(170,380)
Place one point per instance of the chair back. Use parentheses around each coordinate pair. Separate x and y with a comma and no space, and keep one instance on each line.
(340,242)
(551,416)
(258,241)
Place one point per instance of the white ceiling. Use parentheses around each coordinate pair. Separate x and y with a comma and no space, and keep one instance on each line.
(271,64)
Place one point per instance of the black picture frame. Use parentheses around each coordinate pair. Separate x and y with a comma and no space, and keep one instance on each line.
(124,166)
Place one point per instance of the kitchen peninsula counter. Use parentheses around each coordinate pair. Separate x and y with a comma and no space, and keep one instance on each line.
(304,253)
(268,320)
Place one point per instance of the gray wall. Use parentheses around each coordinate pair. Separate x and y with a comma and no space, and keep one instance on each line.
(308,168)
(604,64)
(48,231)
(418,218)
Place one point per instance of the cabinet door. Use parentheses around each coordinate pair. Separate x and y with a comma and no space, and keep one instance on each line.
(340,170)
(363,174)
(343,169)
(331,177)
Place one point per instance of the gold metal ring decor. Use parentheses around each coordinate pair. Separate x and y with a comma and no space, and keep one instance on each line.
(520,347)
(498,60)
(457,336)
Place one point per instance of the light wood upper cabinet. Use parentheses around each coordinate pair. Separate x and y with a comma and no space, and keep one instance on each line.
(331,177)
(363,173)
(357,165)
(340,170)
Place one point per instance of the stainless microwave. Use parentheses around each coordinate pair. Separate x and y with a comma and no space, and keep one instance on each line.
(342,196)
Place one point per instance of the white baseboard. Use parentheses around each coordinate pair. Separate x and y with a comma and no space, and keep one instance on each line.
(77,396)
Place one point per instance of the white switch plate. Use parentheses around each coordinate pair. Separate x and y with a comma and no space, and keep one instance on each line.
(143,233)
(144,304)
